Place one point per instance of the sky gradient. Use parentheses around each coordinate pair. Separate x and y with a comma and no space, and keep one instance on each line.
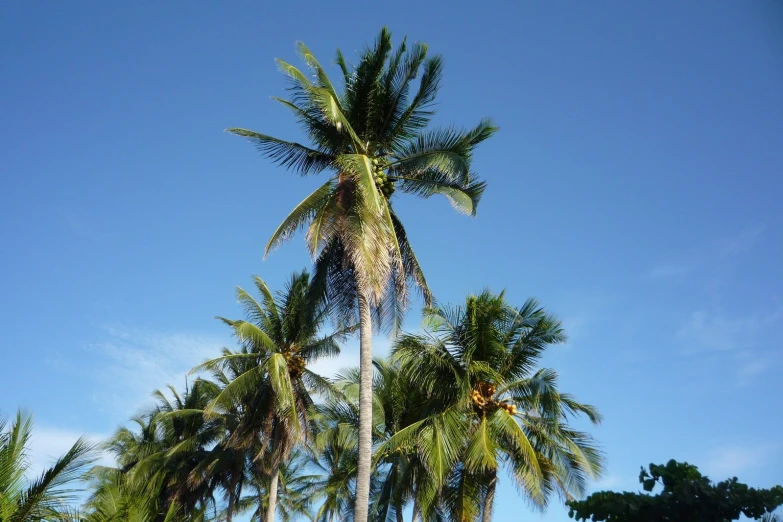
(634,189)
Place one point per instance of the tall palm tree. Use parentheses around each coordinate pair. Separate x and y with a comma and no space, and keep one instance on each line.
(46,497)
(489,408)
(372,139)
(271,382)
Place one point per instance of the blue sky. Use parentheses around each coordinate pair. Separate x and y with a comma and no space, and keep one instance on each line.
(634,189)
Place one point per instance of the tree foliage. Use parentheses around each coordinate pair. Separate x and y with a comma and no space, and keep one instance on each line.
(47,496)
(686,496)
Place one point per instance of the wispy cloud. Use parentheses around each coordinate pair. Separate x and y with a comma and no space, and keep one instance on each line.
(747,343)
(739,243)
(707,254)
(669,270)
(705,331)
(131,363)
(731,461)
(612,481)
(349,357)
(48,444)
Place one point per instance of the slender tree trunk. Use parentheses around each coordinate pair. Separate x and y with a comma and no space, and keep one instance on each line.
(398,513)
(232,498)
(275,476)
(415,515)
(489,499)
(270,511)
(362,504)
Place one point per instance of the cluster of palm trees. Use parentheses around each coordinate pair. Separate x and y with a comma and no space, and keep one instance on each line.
(426,432)
(259,433)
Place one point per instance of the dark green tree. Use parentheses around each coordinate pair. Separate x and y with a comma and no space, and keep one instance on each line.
(687,496)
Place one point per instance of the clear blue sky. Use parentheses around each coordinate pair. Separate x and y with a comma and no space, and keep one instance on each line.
(634,189)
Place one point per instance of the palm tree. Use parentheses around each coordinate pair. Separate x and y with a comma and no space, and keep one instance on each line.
(395,405)
(115,498)
(371,137)
(487,408)
(270,382)
(336,425)
(169,451)
(46,497)
(398,473)
(295,494)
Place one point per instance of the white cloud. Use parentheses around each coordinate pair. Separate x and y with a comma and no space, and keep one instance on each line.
(735,460)
(349,356)
(611,482)
(47,444)
(745,345)
(131,363)
(668,270)
(715,331)
(707,254)
(739,243)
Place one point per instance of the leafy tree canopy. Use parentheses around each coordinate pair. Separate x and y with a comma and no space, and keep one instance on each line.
(687,496)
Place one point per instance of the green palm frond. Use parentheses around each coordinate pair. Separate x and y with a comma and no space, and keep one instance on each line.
(288,154)
(49,493)
(448,151)
(481,451)
(419,112)
(312,62)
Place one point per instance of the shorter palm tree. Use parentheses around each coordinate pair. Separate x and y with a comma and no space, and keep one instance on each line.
(335,459)
(270,382)
(487,408)
(297,489)
(171,448)
(116,498)
(48,496)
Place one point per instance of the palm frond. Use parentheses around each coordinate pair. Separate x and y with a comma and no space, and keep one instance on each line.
(288,154)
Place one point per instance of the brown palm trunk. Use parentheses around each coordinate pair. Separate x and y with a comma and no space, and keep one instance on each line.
(361,506)
(415,515)
(489,500)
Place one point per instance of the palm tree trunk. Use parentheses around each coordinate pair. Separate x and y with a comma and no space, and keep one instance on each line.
(489,499)
(270,510)
(361,506)
(415,515)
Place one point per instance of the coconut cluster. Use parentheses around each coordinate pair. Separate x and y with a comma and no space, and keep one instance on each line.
(483,399)
(296,365)
(382,181)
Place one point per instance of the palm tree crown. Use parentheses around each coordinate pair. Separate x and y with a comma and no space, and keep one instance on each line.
(372,138)
(268,380)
